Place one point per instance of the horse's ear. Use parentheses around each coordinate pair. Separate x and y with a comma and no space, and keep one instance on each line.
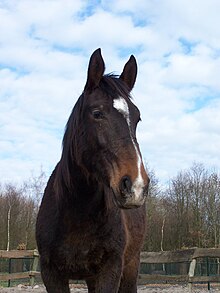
(129,73)
(95,70)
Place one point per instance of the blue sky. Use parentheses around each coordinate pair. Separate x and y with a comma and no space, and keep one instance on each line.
(44,52)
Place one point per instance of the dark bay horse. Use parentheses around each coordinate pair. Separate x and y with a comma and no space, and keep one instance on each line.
(91,222)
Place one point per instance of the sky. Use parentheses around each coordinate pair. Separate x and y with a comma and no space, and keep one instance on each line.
(45,46)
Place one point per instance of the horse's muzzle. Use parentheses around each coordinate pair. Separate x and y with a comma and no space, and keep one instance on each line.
(128,196)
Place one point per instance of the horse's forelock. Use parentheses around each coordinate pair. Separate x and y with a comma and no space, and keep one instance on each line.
(114,86)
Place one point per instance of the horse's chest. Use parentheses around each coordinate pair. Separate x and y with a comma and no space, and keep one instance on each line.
(81,258)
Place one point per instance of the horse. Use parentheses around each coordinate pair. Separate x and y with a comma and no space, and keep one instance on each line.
(91,221)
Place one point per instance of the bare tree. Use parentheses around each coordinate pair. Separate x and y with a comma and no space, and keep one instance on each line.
(12,199)
(34,186)
(18,212)
(154,217)
(195,196)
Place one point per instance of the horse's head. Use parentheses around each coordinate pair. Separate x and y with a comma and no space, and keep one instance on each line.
(103,127)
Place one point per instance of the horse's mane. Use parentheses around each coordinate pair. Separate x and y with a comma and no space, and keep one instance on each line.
(114,87)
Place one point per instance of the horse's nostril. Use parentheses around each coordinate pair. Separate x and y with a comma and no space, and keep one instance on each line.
(125,185)
(146,190)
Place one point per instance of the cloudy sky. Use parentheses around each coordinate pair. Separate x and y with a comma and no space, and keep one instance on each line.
(44,52)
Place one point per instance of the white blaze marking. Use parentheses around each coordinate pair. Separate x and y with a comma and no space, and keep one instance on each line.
(121,105)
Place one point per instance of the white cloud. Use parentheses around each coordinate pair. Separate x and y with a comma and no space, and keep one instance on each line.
(44,52)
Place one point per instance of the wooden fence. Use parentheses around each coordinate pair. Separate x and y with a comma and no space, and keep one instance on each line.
(180,256)
(164,257)
(19,254)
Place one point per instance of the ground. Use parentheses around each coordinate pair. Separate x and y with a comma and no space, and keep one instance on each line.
(141,289)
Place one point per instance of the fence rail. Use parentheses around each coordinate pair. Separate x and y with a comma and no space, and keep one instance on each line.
(163,257)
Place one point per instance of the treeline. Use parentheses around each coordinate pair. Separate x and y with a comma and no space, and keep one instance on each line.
(18,211)
(187,213)
(184,214)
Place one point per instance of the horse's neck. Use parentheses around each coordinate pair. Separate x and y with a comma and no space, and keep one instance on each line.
(84,197)
(87,195)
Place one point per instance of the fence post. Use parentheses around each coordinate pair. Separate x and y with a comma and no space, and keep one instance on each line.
(191,272)
(208,272)
(9,271)
(34,267)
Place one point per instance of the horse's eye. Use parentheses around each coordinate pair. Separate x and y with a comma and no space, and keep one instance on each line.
(97,114)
